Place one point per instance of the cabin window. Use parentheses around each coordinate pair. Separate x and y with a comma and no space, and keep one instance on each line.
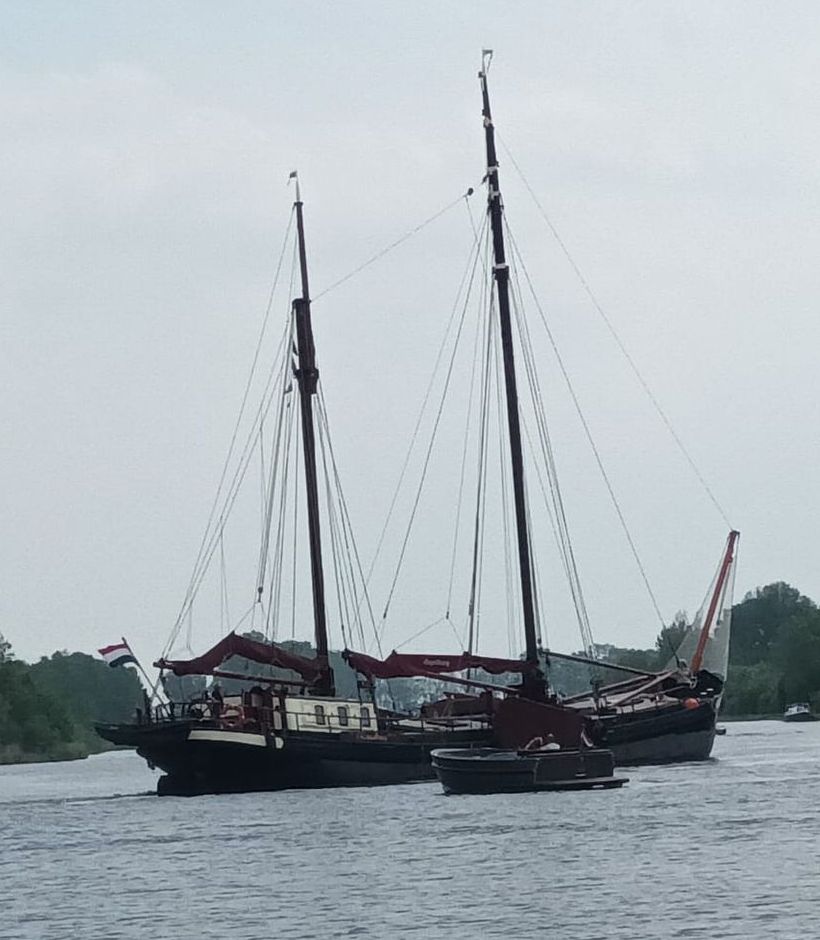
(343,715)
(365,715)
(320,714)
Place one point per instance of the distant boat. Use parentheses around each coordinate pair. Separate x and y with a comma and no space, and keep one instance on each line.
(799,711)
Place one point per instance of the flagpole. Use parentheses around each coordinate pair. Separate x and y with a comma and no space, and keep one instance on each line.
(151,686)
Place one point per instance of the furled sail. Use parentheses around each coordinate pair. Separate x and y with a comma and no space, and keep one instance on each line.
(234,645)
(408,665)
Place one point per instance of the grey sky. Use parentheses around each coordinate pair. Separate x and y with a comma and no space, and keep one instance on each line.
(143,162)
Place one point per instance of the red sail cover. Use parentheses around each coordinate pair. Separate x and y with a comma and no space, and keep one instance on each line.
(407,665)
(234,645)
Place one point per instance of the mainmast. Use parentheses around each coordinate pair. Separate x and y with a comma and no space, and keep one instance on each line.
(535,685)
(307,376)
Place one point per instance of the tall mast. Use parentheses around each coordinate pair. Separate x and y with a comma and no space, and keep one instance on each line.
(717,598)
(535,685)
(307,376)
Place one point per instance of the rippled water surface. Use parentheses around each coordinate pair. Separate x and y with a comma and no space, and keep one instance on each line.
(718,850)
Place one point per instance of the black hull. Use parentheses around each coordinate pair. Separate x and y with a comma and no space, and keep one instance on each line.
(302,760)
(489,770)
(668,734)
(803,716)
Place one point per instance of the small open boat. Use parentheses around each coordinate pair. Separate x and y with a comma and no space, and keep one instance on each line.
(495,770)
(799,711)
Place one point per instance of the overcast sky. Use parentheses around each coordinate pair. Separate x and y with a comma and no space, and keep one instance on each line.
(143,159)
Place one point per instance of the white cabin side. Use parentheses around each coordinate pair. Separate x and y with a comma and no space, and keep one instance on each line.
(329,715)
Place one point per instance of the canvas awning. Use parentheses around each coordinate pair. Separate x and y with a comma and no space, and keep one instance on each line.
(408,665)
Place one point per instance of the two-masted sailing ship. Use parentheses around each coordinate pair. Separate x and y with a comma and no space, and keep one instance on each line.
(287,727)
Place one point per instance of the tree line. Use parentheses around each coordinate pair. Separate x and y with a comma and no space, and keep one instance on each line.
(774,652)
(48,708)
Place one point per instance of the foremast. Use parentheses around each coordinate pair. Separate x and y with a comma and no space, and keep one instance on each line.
(534,685)
(307,377)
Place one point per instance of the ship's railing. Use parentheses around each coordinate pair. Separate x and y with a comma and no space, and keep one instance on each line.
(175,711)
(233,715)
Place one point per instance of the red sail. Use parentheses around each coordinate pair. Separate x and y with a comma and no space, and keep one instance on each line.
(407,665)
(234,645)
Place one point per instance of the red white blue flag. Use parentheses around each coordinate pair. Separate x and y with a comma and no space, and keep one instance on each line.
(118,655)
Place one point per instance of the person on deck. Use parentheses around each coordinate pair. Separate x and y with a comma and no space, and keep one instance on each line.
(217,701)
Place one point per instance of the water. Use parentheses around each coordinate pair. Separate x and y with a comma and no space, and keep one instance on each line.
(725,849)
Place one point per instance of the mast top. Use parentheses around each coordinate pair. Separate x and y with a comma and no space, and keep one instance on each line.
(294,175)
(486,58)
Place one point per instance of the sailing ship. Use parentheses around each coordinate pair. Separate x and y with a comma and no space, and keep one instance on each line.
(670,716)
(294,730)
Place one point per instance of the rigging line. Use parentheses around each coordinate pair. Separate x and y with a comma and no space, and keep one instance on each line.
(476,359)
(414,436)
(566,547)
(473,606)
(244,617)
(549,509)
(294,582)
(587,432)
(279,544)
(343,534)
(245,394)
(262,474)
(549,456)
(347,530)
(211,533)
(340,538)
(426,463)
(421,632)
(512,596)
(332,524)
(243,463)
(190,628)
(239,477)
(225,612)
(269,496)
(625,352)
(399,241)
(456,633)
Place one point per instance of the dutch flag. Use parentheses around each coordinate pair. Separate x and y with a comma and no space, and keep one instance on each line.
(118,655)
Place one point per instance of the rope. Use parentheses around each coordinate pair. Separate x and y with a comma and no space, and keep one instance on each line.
(421,632)
(399,241)
(347,530)
(223,475)
(436,422)
(476,359)
(625,352)
(479,518)
(587,432)
(511,592)
(419,419)
(565,538)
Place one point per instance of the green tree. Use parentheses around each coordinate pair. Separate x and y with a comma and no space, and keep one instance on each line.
(757,619)
(670,638)
(796,654)
(89,688)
